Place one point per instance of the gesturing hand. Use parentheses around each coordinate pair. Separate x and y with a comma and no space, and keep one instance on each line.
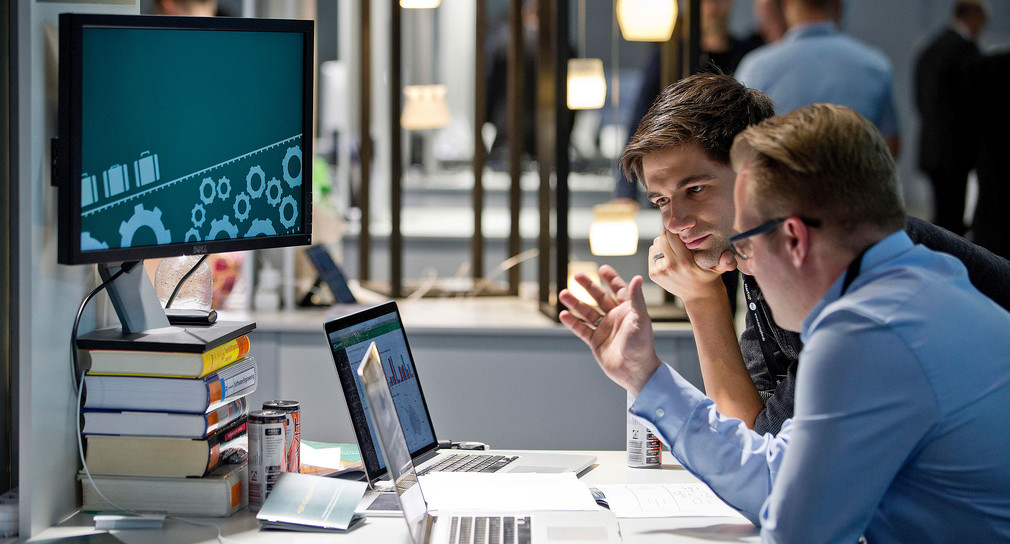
(621,336)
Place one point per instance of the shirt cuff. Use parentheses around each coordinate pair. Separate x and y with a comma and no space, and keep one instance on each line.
(667,401)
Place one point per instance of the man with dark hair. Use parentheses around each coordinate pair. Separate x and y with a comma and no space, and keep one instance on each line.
(948,142)
(899,432)
(681,153)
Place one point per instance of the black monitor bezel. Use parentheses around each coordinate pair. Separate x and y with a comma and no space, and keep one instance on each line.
(66,161)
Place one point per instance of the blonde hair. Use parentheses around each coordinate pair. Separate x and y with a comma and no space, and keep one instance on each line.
(822,161)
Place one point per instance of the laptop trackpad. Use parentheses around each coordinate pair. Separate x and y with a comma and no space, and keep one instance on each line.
(540,470)
(578,534)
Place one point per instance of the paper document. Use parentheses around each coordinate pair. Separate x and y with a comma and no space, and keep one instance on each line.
(665,500)
(322,457)
(450,491)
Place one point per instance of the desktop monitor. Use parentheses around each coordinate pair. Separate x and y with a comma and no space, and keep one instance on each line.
(182,136)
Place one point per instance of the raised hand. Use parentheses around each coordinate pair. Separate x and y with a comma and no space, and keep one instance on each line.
(619,332)
(672,266)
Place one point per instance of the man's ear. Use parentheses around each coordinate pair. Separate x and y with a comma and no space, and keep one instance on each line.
(797,236)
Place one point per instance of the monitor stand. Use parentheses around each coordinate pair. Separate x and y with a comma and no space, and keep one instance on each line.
(135,301)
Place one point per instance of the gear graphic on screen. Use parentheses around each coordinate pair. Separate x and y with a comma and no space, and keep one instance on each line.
(256,171)
(261,227)
(198,210)
(293,181)
(144,218)
(242,207)
(288,201)
(205,185)
(223,188)
(274,191)
(217,226)
(192,235)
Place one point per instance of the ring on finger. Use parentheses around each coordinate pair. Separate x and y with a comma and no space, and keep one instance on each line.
(657,257)
(598,320)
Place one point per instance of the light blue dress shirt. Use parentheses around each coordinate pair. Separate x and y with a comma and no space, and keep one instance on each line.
(815,62)
(901,428)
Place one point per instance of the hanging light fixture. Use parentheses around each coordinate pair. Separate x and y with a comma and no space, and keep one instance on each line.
(613,230)
(425,108)
(587,85)
(419,4)
(647,20)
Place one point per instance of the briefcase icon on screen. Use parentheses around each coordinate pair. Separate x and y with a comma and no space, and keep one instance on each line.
(116,180)
(145,169)
(89,190)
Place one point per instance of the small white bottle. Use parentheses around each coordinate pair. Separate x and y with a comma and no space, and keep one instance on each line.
(644,449)
(268,295)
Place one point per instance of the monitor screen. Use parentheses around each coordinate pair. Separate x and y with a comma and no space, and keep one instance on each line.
(182,135)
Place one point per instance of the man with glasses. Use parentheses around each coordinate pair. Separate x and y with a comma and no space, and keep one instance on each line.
(900,431)
(681,153)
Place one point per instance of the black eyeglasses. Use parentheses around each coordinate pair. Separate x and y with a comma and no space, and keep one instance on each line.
(740,244)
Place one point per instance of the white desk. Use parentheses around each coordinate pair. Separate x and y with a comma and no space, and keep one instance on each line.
(610,469)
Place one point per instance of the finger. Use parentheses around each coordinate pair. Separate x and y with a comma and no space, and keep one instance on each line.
(637,297)
(602,297)
(612,279)
(577,307)
(577,326)
(673,247)
(727,262)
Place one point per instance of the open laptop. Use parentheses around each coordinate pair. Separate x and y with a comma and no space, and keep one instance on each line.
(536,527)
(349,337)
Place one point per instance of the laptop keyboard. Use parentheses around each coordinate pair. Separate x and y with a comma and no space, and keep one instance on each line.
(492,529)
(458,462)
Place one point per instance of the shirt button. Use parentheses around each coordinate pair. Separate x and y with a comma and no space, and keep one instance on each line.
(659,412)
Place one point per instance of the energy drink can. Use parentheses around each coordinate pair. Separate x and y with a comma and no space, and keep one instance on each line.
(266,453)
(644,449)
(292,431)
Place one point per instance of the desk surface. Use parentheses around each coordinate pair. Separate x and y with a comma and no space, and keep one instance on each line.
(610,469)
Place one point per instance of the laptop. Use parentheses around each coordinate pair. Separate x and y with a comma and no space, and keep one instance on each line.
(538,527)
(349,337)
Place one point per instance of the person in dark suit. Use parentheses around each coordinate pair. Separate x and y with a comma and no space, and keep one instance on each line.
(947,140)
(991,78)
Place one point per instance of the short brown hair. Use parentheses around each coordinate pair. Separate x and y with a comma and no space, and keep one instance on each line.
(825,162)
(707,109)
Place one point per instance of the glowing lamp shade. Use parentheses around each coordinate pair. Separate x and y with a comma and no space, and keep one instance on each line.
(419,4)
(588,268)
(425,108)
(587,86)
(646,20)
(613,230)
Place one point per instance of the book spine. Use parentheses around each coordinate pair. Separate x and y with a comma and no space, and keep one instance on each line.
(226,414)
(224,442)
(224,387)
(225,354)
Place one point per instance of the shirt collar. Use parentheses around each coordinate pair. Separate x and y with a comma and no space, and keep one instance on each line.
(878,253)
(807,30)
(962,29)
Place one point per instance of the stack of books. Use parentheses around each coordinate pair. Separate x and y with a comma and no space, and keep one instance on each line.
(164,419)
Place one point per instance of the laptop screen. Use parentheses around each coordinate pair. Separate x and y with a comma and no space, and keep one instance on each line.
(349,338)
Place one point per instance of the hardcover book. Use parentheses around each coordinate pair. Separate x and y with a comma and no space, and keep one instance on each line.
(220,493)
(187,395)
(159,456)
(166,424)
(167,363)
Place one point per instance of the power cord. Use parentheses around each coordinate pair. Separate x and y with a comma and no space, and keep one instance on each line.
(178,286)
(79,389)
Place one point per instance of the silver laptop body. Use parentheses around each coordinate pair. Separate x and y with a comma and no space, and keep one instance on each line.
(465,527)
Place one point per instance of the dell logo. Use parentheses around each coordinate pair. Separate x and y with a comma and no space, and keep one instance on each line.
(198,250)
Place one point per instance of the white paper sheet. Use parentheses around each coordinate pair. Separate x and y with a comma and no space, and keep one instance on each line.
(451,491)
(323,457)
(665,500)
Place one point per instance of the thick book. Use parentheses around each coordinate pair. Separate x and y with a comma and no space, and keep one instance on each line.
(167,424)
(186,395)
(189,339)
(166,363)
(218,494)
(302,502)
(159,456)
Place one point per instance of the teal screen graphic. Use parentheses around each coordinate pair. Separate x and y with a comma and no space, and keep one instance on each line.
(190,136)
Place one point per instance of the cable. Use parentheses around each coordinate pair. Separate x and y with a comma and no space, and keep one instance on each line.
(124,269)
(185,277)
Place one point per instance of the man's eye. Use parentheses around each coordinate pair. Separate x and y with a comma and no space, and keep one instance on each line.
(695,189)
(660,202)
